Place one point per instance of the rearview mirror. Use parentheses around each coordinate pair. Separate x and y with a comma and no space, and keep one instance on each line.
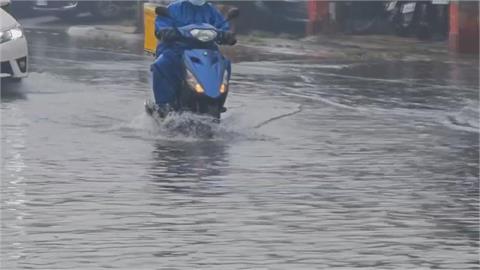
(233,13)
(162,12)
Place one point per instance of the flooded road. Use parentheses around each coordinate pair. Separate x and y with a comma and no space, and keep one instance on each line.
(318,164)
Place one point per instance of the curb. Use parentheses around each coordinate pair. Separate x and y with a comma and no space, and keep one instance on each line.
(104,33)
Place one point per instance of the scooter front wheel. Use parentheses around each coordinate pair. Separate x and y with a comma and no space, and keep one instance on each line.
(214,111)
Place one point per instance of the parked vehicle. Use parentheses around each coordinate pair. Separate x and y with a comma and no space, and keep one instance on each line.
(360,17)
(280,16)
(408,17)
(392,10)
(438,18)
(103,9)
(422,19)
(13,47)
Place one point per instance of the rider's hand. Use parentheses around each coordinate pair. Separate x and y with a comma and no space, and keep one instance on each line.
(228,38)
(168,34)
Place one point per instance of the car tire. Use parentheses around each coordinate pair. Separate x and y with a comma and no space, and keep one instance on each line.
(106,9)
(15,80)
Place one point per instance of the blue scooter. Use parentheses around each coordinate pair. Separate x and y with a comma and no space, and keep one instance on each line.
(207,72)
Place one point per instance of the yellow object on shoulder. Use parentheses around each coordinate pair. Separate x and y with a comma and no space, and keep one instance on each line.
(149,40)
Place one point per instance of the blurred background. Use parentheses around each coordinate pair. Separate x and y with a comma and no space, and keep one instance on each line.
(426,20)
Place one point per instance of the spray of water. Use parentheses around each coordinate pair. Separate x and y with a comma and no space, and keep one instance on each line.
(186,127)
(466,119)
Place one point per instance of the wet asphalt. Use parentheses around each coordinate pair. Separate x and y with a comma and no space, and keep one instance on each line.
(319,163)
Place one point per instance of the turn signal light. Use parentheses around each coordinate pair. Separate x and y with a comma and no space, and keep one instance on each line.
(223,88)
(199,88)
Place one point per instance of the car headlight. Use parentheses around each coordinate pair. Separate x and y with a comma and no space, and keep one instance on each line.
(12,34)
(224,86)
(193,83)
(204,35)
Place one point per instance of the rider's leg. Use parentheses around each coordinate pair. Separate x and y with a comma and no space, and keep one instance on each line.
(166,72)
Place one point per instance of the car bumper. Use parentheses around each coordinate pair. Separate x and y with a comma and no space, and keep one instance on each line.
(13,58)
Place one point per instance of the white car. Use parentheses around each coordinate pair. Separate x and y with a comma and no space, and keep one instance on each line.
(13,47)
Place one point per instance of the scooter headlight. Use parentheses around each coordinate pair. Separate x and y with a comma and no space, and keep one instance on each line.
(193,83)
(11,34)
(204,35)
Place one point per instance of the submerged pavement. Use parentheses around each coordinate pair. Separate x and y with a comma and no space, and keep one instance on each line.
(328,160)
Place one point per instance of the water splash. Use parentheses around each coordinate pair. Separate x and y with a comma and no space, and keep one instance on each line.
(466,119)
(186,127)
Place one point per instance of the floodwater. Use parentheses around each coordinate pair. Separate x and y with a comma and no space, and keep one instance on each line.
(316,165)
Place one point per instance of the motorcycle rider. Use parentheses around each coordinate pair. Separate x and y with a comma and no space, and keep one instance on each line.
(167,70)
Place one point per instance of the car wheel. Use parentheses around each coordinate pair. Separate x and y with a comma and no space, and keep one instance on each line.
(106,9)
(15,80)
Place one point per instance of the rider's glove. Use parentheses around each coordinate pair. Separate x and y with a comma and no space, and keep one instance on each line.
(168,34)
(227,38)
